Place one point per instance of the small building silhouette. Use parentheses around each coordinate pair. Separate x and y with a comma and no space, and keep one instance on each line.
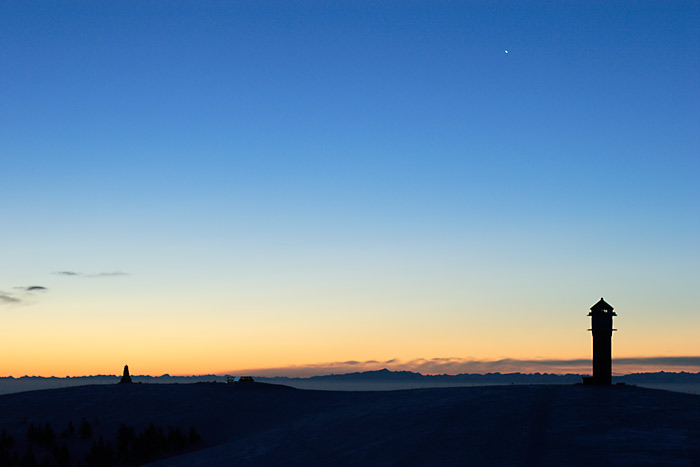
(126,379)
(602,327)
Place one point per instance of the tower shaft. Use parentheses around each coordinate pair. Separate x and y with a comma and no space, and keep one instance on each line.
(602,327)
(602,357)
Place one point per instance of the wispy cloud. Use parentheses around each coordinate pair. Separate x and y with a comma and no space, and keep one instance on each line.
(108,274)
(8,299)
(32,288)
(20,297)
(98,274)
(668,362)
(453,366)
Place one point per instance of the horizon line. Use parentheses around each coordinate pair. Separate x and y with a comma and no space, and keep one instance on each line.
(216,375)
(453,366)
(445,366)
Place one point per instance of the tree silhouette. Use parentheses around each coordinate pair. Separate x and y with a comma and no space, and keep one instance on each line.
(100,455)
(32,433)
(28,460)
(6,442)
(61,455)
(194,436)
(69,431)
(46,436)
(85,429)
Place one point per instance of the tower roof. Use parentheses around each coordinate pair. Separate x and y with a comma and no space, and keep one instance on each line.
(602,305)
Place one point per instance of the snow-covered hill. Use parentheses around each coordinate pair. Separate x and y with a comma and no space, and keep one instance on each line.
(262,424)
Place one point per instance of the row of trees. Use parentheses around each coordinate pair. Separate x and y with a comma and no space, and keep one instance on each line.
(134,448)
(44,448)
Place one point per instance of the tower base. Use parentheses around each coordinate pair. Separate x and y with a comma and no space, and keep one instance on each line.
(591,381)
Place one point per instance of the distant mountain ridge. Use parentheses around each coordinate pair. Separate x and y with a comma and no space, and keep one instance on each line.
(385,375)
(9,384)
(364,380)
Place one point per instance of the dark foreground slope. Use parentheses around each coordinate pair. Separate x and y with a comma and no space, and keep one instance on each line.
(272,425)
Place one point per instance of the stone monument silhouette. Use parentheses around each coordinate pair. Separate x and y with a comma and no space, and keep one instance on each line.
(126,379)
(602,327)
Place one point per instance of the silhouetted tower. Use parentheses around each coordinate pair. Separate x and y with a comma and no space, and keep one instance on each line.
(602,326)
(126,379)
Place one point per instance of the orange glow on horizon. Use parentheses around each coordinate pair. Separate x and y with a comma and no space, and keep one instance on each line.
(75,341)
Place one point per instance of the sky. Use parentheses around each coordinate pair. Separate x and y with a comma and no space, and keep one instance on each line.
(207,187)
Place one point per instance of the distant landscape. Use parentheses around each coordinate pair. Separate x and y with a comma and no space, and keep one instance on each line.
(381,380)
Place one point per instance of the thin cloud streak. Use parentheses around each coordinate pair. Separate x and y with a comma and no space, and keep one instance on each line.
(31,288)
(453,366)
(25,291)
(7,299)
(99,274)
(108,274)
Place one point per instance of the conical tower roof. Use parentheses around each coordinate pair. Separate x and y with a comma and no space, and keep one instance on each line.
(602,305)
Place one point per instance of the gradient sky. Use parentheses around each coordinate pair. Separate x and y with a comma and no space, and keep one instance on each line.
(198,187)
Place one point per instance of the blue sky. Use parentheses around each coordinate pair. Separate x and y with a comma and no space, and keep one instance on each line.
(382,165)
